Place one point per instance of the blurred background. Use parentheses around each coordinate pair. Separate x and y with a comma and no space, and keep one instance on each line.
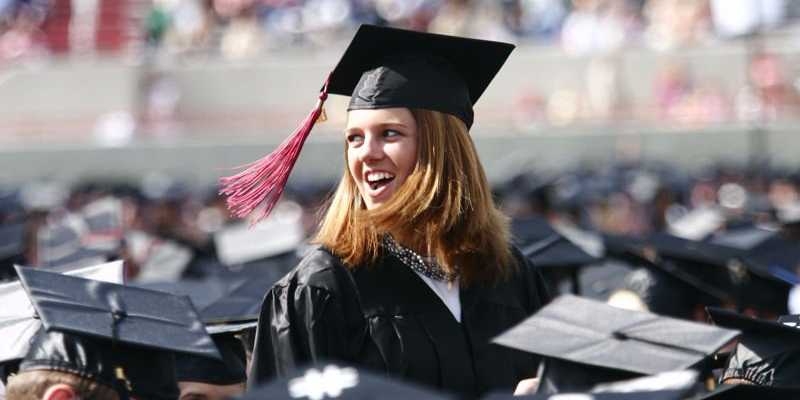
(617,116)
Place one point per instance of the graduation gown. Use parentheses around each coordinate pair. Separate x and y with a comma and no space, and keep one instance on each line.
(386,318)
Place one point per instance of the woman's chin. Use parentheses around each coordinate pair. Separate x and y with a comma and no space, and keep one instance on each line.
(377,197)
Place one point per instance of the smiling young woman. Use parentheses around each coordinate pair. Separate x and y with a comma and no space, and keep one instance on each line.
(441,205)
(414,272)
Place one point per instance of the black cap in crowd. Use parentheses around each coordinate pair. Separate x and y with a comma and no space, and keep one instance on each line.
(545,247)
(120,335)
(767,353)
(586,342)
(232,369)
(18,322)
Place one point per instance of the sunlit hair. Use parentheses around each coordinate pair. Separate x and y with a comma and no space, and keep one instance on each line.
(32,385)
(444,209)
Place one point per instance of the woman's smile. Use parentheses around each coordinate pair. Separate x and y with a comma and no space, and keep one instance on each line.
(381,151)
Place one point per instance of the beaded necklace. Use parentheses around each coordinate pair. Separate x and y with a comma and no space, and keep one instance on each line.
(417,262)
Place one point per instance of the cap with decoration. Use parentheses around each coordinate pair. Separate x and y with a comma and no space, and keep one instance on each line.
(381,68)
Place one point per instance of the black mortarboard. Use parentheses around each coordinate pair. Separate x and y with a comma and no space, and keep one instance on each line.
(698,223)
(381,68)
(547,248)
(767,354)
(729,274)
(332,381)
(387,67)
(281,233)
(230,319)
(202,292)
(129,370)
(17,315)
(103,219)
(790,320)
(589,342)
(12,248)
(230,370)
(750,392)
(60,243)
(126,314)
(772,261)
(158,259)
(242,302)
(669,286)
(655,395)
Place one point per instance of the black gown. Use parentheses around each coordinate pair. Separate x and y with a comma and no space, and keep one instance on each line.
(386,318)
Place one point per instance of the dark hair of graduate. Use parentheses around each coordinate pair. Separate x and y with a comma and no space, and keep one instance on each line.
(444,209)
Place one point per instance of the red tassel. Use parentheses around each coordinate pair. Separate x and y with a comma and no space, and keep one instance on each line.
(263,181)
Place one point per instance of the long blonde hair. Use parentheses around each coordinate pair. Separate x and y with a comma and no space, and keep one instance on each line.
(444,209)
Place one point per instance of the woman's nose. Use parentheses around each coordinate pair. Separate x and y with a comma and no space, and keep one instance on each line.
(372,149)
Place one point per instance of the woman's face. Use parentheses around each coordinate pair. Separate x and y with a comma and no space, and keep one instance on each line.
(381,151)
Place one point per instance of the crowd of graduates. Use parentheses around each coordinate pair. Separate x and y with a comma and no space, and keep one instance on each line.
(652,270)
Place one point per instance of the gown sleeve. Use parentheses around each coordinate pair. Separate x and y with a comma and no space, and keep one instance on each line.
(300,323)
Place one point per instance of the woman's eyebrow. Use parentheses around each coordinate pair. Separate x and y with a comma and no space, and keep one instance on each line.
(378,125)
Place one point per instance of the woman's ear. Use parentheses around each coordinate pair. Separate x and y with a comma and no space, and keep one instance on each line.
(60,391)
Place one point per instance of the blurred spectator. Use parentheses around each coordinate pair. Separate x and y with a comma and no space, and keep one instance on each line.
(676,23)
(599,26)
(742,17)
(20,33)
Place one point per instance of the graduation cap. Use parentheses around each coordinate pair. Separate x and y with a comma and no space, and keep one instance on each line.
(60,243)
(158,259)
(669,285)
(772,262)
(650,395)
(12,247)
(115,312)
(232,369)
(103,219)
(767,353)
(588,342)
(789,214)
(749,392)
(202,292)
(129,370)
(281,233)
(333,381)
(547,248)
(729,274)
(381,68)
(698,223)
(17,315)
(666,386)
(242,302)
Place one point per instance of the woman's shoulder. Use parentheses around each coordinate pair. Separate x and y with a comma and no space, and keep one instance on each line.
(318,268)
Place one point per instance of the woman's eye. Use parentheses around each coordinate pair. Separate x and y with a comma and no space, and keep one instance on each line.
(391,133)
(354,138)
